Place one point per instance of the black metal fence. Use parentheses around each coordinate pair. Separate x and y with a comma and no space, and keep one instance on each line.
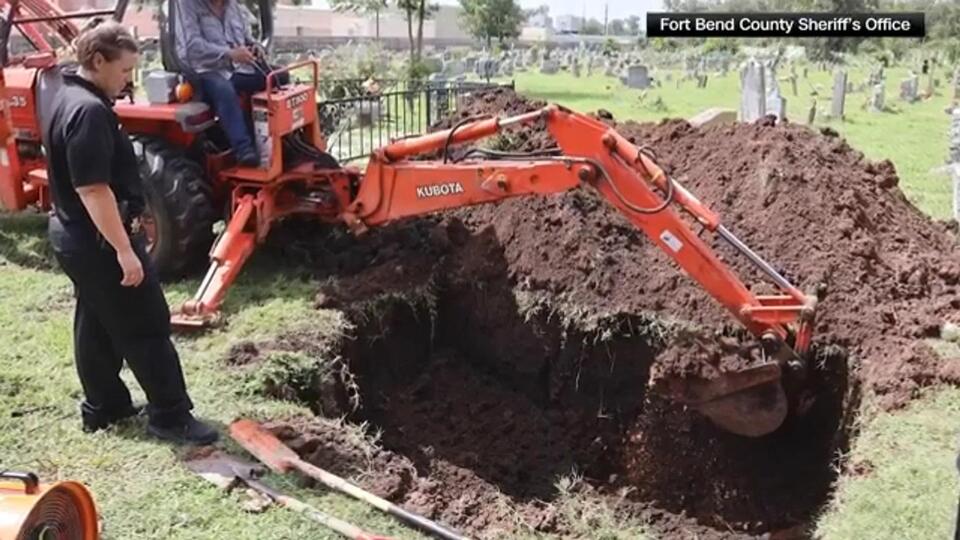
(356,125)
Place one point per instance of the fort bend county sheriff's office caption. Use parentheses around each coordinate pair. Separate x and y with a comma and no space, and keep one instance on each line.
(785,26)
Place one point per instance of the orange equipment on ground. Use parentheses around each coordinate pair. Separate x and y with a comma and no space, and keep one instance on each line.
(30,510)
(191,180)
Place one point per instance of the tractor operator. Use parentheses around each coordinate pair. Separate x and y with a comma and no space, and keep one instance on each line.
(121,312)
(214,40)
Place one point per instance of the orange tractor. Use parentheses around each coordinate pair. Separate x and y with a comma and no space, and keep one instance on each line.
(191,181)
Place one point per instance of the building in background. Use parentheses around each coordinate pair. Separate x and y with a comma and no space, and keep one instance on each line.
(540,20)
(328,26)
(568,24)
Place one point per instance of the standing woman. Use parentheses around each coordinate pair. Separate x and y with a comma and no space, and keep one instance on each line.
(121,312)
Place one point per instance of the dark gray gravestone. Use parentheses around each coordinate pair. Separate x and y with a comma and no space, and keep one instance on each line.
(638,77)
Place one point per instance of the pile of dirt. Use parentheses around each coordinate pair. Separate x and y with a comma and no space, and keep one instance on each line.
(500,347)
(815,208)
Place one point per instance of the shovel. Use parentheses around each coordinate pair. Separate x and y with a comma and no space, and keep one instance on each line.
(226,472)
(280,458)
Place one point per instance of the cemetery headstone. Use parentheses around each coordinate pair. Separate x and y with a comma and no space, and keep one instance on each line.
(839,94)
(955,138)
(638,77)
(812,113)
(877,98)
(487,68)
(776,104)
(908,90)
(955,160)
(549,67)
(453,67)
(956,83)
(752,92)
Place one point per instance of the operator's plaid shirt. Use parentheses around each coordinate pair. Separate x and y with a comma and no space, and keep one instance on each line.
(203,39)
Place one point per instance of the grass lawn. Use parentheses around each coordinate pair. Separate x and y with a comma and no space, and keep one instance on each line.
(141,489)
(904,485)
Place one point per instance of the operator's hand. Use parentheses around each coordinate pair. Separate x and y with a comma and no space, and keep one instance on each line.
(131,266)
(242,55)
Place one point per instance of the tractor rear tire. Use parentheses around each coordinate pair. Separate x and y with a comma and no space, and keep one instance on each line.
(179,205)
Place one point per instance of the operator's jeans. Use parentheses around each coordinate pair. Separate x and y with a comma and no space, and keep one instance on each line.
(224,96)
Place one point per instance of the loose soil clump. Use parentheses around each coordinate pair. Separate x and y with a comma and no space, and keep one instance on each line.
(503,348)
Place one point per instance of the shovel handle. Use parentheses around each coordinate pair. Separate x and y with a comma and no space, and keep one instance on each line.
(347,530)
(335,482)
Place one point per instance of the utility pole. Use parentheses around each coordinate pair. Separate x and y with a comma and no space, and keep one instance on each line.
(606,10)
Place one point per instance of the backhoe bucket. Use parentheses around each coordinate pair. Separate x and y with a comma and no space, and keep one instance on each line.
(749,402)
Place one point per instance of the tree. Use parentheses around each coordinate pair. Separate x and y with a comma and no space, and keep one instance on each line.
(542,12)
(592,27)
(416,11)
(610,47)
(633,25)
(489,19)
(687,5)
(617,27)
(363,7)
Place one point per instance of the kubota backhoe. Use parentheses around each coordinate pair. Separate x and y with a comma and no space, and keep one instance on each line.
(188,172)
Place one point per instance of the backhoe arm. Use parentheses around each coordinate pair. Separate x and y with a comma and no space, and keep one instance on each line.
(594,154)
(750,401)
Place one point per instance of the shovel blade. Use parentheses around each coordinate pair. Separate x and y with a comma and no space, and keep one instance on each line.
(749,402)
(263,445)
(221,469)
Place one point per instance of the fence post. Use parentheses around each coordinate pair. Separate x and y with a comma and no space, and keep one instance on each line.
(427,92)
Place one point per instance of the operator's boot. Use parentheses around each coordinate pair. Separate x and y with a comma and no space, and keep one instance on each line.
(187,430)
(248,158)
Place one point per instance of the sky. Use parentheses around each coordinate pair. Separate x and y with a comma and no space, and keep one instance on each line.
(619,9)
